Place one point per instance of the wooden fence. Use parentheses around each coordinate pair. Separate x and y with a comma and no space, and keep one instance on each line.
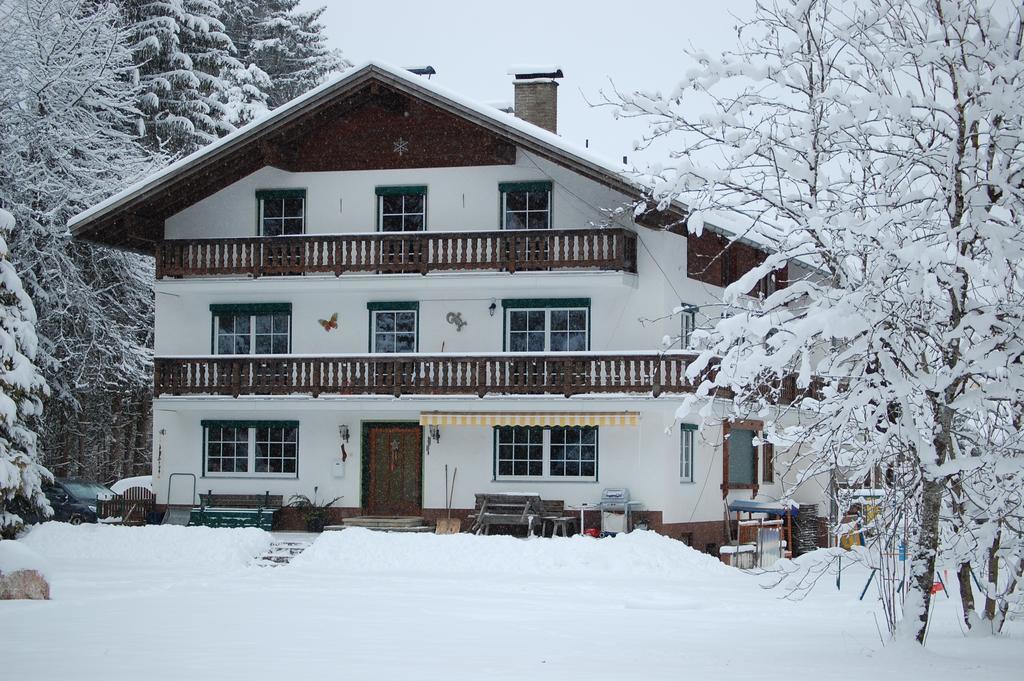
(611,249)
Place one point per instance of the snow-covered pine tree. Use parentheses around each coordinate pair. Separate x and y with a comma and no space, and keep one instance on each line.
(68,140)
(186,68)
(22,388)
(288,46)
(878,147)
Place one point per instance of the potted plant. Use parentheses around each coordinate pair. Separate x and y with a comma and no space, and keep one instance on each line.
(313,511)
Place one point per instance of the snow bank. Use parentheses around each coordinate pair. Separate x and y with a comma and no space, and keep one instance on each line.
(154,545)
(633,554)
(14,556)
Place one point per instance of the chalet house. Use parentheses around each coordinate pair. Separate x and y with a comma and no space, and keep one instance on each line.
(382,278)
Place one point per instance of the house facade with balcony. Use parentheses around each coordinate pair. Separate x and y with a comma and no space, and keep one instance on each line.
(381,279)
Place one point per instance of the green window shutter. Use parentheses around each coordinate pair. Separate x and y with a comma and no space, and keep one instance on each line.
(280,194)
(401,190)
(545,302)
(538,186)
(251,308)
(374,307)
(249,424)
(741,457)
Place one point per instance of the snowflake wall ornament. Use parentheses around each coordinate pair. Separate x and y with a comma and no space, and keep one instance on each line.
(401,146)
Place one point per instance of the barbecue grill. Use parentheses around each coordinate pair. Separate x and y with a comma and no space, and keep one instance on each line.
(616,511)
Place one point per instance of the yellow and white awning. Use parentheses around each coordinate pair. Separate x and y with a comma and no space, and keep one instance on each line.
(541,418)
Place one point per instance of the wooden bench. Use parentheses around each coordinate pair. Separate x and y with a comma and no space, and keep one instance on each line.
(523,510)
(236,510)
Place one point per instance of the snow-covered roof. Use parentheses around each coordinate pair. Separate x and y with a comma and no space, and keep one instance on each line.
(521,132)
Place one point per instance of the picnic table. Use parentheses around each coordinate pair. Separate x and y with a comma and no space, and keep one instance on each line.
(527,510)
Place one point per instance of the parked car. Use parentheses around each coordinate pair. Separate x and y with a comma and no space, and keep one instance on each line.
(73,501)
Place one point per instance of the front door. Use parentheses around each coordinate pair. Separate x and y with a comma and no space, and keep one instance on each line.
(393,470)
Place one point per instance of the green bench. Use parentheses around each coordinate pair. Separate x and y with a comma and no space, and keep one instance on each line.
(236,510)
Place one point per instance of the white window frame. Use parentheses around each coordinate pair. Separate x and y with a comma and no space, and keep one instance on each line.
(415,331)
(547,326)
(545,475)
(381,214)
(526,211)
(250,471)
(687,325)
(262,201)
(252,334)
(687,443)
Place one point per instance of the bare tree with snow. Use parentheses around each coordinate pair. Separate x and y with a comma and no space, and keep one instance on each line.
(878,147)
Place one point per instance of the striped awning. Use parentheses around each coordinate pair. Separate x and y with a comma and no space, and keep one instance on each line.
(541,418)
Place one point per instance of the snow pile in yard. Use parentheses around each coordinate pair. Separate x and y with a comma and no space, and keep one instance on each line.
(15,556)
(156,545)
(633,554)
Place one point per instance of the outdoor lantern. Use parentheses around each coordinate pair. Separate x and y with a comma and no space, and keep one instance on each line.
(435,433)
(343,432)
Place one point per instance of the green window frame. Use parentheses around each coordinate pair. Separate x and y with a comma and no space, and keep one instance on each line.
(280,212)
(687,442)
(399,312)
(560,320)
(244,328)
(401,208)
(252,449)
(526,205)
(546,453)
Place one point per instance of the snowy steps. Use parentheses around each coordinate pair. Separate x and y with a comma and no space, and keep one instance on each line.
(385,524)
(281,552)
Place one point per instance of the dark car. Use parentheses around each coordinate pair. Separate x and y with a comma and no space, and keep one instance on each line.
(73,501)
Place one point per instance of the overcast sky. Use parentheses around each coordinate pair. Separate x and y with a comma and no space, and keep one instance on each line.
(634,44)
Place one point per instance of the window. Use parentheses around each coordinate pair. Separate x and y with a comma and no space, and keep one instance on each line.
(688,323)
(573,452)
(393,327)
(767,463)
(525,205)
(261,448)
(538,453)
(520,451)
(401,209)
(261,329)
(686,433)
(547,325)
(282,212)
(742,457)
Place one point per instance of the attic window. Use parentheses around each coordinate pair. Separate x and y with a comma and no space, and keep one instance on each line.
(401,209)
(282,212)
(525,205)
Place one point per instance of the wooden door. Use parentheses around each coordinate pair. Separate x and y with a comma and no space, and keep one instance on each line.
(393,473)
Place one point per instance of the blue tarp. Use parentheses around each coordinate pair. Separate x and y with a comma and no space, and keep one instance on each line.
(771,508)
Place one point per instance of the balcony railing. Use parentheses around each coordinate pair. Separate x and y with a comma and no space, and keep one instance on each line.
(612,249)
(508,374)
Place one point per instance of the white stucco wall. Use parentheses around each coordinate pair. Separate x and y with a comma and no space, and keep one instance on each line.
(458,199)
(645,459)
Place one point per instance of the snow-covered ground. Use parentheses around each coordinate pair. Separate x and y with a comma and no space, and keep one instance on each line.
(189,603)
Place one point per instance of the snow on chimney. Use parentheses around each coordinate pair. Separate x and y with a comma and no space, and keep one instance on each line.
(536,94)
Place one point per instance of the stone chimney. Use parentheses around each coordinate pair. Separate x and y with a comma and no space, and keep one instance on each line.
(536,95)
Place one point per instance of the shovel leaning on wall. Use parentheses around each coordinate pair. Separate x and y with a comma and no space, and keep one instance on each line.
(449,525)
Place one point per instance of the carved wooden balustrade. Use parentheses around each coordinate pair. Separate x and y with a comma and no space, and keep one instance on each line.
(611,249)
(507,374)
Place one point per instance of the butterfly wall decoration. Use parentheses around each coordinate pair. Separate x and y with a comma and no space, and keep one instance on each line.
(329,324)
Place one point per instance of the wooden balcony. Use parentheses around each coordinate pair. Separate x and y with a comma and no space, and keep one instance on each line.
(420,374)
(612,249)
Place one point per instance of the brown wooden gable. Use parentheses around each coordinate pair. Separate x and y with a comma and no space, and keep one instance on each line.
(394,131)
(374,126)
